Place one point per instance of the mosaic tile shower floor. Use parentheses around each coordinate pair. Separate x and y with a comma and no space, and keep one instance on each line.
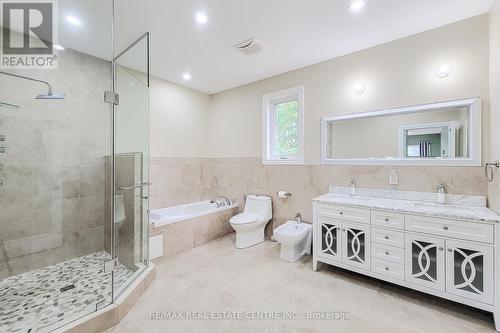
(34,302)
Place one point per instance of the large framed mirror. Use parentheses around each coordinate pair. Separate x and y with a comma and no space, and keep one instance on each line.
(443,133)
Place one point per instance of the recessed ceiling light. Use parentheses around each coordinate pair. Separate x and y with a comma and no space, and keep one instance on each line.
(58,47)
(186,76)
(357,5)
(201,18)
(443,71)
(359,87)
(73,20)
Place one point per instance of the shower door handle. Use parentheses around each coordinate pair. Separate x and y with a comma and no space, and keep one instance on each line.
(133,187)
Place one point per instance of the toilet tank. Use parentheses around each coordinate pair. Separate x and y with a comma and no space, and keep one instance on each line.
(260,205)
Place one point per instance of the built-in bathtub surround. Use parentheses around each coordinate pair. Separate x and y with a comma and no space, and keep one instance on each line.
(187,226)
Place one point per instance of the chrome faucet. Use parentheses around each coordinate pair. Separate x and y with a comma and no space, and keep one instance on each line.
(352,186)
(441,192)
(298,217)
(226,201)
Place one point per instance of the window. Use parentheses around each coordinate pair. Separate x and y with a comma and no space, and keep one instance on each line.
(283,127)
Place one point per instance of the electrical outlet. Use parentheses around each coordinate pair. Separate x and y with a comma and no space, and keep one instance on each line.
(393,178)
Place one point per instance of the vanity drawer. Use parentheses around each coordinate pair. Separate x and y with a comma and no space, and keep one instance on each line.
(473,231)
(389,220)
(388,253)
(387,268)
(344,213)
(388,237)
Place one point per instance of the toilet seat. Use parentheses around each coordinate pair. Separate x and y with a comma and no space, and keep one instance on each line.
(244,218)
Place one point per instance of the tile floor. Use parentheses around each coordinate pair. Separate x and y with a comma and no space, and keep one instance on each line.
(34,302)
(217,280)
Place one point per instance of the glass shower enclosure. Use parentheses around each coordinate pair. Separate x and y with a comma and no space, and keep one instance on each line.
(73,174)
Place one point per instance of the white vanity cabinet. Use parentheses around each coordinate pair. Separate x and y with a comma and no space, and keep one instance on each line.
(445,257)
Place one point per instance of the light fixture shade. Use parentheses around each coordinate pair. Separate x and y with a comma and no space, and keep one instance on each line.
(443,71)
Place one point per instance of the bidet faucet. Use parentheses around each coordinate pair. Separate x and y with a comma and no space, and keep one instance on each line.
(298,217)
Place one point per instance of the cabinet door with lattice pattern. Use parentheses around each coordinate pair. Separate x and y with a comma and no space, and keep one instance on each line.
(469,270)
(356,245)
(424,261)
(329,238)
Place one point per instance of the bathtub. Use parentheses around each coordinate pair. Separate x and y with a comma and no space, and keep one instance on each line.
(164,216)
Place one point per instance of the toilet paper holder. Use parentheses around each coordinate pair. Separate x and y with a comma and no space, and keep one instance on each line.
(283,194)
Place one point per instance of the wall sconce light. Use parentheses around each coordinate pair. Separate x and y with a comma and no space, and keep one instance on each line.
(443,71)
(359,87)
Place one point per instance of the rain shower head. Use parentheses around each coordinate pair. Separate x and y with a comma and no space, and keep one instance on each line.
(49,95)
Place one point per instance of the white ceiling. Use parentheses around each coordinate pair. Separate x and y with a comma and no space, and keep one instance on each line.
(297,32)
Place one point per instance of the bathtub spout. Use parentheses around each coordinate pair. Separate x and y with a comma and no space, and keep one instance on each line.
(226,200)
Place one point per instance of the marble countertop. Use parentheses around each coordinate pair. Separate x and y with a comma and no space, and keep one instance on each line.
(462,212)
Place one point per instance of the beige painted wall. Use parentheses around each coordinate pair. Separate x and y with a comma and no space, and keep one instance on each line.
(179,118)
(494,188)
(398,73)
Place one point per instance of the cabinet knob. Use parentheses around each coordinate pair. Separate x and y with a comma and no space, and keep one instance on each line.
(450,250)
(386,253)
(386,220)
(341,213)
(343,229)
(441,248)
(445,227)
(386,237)
(387,268)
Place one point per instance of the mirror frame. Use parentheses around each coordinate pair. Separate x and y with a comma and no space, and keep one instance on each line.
(474,159)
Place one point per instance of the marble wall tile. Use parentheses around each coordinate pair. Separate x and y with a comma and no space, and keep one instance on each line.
(54,167)
(179,181)
(494,192)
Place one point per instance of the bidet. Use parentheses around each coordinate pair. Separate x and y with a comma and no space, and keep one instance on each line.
(295,239)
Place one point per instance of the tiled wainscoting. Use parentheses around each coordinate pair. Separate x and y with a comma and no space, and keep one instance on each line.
(183,180)
(188,234)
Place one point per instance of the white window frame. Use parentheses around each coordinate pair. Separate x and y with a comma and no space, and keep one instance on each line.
(268,113)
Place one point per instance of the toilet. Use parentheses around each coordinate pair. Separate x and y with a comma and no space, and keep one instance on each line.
(250,224)
(295,239)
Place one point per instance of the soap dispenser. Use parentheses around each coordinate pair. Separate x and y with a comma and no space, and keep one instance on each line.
(353,186)
(441,193)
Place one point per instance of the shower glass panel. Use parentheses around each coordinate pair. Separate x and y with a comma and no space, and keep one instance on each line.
(55,213)
(131,204)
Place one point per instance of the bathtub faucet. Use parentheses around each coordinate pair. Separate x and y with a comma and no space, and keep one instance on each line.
(226,201)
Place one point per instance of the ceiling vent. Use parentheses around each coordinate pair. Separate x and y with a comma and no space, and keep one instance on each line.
(250,46)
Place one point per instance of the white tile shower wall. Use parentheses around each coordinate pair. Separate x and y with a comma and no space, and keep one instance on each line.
(53,168)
